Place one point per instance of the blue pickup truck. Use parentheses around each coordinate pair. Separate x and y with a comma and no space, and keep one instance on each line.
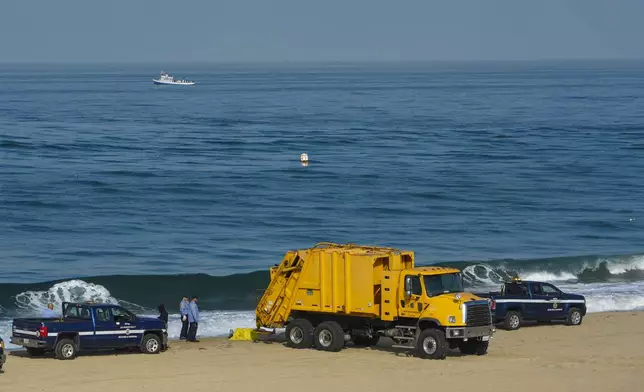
(92,327)
(520,301)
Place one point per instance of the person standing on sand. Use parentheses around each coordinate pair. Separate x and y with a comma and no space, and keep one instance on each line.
(183,309)
(193,317)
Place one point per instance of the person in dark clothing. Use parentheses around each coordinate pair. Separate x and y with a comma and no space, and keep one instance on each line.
(193,317)
(163,315)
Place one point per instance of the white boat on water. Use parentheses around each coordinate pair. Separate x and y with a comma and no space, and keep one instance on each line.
(166,78)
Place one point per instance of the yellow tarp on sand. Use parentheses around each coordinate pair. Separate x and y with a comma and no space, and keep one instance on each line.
(244,334)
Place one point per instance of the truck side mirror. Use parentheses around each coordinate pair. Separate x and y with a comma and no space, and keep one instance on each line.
(408,287)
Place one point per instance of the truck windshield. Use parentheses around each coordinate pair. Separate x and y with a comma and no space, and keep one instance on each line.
(443,284)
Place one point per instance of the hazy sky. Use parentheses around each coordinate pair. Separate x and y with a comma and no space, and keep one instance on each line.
(323,30)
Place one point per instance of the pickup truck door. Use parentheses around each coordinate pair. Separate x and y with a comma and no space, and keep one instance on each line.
(126,327)
(548,306)
(106,330)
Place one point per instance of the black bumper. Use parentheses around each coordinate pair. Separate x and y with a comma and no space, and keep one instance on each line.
(27,342)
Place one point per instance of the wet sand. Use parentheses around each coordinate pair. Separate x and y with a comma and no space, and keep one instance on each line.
(605,353)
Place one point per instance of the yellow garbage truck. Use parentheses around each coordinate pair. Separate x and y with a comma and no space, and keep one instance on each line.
(330,294)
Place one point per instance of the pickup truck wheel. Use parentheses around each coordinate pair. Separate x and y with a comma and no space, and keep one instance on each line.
(299,333)
(574,317)
(66,349)
(151,344)
(35,352)
(365,341)
(329,336)
(512,320)
(431,344)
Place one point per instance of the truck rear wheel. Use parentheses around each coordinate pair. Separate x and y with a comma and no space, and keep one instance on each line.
(329,336)
(431,344)
(299,333)
(66,349)
(151,344)
(574,317)
(365,341)
(512,320)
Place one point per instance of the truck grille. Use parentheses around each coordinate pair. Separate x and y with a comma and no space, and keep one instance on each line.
(478,315)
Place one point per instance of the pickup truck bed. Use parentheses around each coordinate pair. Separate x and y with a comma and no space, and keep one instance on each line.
(89,327)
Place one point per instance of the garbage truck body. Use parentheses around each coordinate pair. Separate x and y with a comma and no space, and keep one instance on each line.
(330,294)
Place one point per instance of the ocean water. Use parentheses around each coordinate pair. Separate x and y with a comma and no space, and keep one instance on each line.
(115,189)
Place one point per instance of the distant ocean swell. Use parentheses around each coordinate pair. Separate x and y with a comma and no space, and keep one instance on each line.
(612,283)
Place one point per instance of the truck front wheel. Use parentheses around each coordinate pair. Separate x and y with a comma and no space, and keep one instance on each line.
(66,349)
(299,333)
(431,344)
(151,344)
(329,336)
(574,317)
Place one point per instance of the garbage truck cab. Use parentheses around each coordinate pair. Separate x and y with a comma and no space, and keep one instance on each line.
(330,294)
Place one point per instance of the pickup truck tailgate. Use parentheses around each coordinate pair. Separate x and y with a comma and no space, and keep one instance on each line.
(26,328)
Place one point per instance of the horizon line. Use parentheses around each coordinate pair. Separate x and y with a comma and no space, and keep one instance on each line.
(346,61)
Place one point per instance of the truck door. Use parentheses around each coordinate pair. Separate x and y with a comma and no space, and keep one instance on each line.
(128,334)
(546,304)
(411,304)
(106,334)
(554,308)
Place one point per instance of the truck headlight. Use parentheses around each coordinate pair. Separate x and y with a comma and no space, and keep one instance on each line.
(451,319)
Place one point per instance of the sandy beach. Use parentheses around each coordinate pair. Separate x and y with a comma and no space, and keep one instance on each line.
(605,353)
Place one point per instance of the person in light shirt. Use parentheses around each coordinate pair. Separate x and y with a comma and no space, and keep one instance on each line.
(49,312)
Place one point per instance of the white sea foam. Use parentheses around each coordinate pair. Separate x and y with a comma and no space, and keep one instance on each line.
(32,303)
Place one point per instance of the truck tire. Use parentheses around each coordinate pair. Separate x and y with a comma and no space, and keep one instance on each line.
(481,347)
(66,349)
(431,344)
(512,320)
(468,347)
(365,341)
(329,336)
(299,333)
(151,344)
(574,317)
(35,352)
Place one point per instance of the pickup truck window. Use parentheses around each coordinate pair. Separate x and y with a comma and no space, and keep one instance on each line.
(516,289)
(442,284)
(122,315)
(549,289)
(103,315)
(78,312)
